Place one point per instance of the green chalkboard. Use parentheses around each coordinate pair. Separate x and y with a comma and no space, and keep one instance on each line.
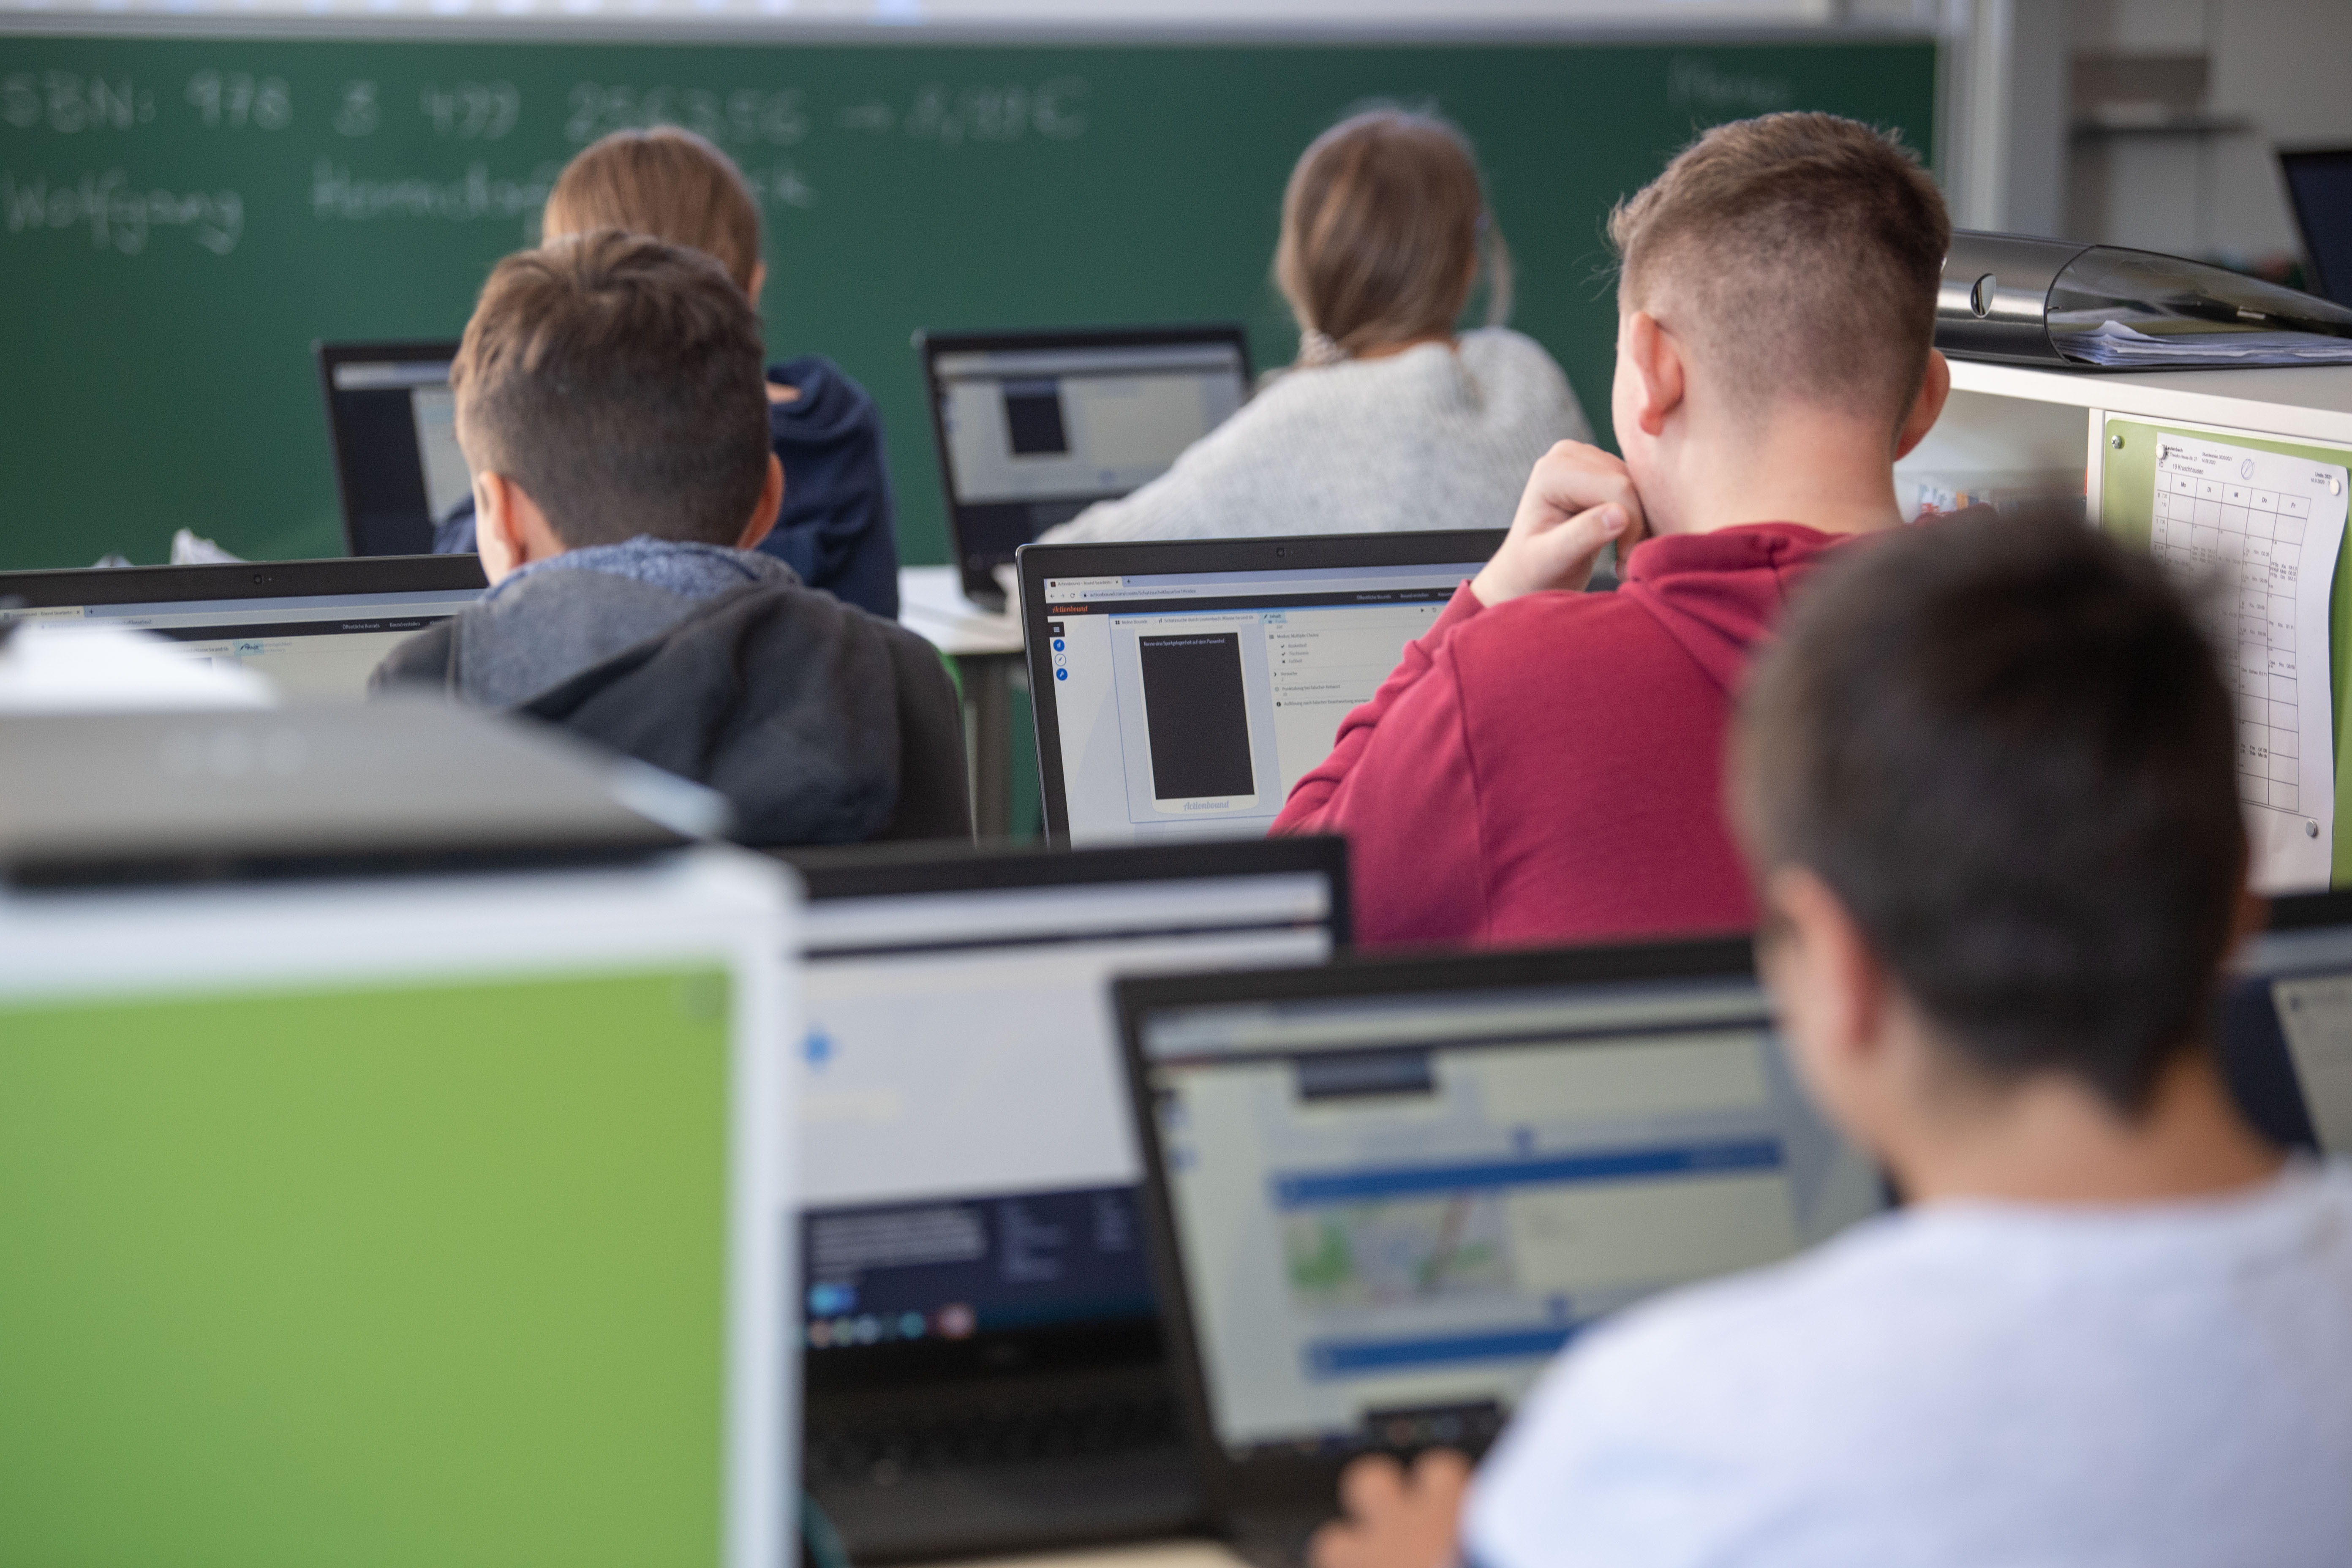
(180,218)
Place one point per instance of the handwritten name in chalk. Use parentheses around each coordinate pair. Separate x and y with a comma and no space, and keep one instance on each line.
(120,216)
(1694,83)
(336,193)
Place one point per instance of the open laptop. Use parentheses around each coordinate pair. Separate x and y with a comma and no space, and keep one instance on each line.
(981,1345)
(2286,1039)
(1383,1195)
(2319,183)
(392,421)
(1182,688)
(318,628)
(425,1219)
(1034,427)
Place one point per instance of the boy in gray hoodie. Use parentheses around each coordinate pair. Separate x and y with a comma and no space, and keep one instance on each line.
(610,401)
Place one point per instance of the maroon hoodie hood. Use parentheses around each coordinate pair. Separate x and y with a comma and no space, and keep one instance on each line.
(1718,593)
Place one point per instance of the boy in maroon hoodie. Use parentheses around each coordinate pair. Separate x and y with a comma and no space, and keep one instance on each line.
(1546,764)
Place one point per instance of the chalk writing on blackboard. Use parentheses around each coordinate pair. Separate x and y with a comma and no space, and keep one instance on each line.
(120,215)
(357,111)
(68,103)
(237,99)
(1695,83)
(472,111)
(337,194)
(773,118)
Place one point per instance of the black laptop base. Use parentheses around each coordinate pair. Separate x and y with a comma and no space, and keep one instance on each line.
(992,1466)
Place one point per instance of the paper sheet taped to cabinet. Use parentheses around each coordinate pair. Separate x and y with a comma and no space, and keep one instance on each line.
(2259,534)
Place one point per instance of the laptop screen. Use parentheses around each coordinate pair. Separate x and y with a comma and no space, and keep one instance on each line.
(319,644)
(1185,697)
(968,1158)
(393,420)
(2320,182)
(2286,1025)
(1032,431)
(1390,1207)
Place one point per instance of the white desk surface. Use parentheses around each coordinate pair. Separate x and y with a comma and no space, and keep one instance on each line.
(2307,403)
(1147,1554)
(931,605)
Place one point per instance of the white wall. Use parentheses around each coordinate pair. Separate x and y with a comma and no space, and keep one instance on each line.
(2283,65)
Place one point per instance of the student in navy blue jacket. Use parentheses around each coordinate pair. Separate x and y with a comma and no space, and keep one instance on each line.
(835,530)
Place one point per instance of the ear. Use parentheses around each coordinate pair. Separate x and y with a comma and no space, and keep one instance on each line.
(1934,388)
(759,281)
(496,524)
(763,510)
(1656,360)
(1831,992)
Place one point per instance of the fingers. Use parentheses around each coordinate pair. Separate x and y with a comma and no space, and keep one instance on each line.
(1395,1519)
(1563,557)
(1443,1473)
(1371,1486)
(1334,1546)
(1558,557)
(1573,478)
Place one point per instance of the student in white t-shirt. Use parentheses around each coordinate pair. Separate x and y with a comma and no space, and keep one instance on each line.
(1987,783)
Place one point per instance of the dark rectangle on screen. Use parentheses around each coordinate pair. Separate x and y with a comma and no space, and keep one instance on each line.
(1033,419)
(1356,1075)
(1197,715)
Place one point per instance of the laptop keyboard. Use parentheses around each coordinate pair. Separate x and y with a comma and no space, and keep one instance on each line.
(880,1454)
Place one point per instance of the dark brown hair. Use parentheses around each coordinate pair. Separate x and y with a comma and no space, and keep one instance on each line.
(1798,255)
(1380,228)
(2005,745)
(665,182)
(618,380)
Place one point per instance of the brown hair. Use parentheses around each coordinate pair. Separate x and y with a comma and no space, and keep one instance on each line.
(1380,226)
(2005,745)
(665,182)
(1796,254)
(618,380)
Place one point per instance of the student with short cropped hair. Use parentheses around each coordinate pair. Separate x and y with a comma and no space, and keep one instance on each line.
(610,403)
(1391,419)
(835,527)
(1544,764)
(1987,784)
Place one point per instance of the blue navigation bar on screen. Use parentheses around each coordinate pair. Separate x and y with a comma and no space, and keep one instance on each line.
(1617,1165)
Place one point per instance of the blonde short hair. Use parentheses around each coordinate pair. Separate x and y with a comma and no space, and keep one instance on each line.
(665,182)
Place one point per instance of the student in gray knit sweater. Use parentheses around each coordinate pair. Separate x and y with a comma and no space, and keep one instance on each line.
(1390,420)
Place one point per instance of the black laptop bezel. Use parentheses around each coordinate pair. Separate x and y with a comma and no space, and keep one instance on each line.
(917,869)
(979,580)
(327,356)
(1288,1485)
(330,578)
(1335,552)
(2338,288)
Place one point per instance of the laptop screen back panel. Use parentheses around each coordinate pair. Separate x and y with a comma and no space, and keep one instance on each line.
(2319,182)
(391,419)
